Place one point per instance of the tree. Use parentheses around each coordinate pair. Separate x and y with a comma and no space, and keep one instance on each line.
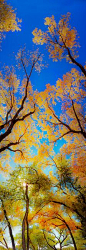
(16,107)
(16,205)
(52,219)
(57,202)
(60,237)
(8,19)
(69,193)
(66,194)
(60,40)
(69,93)
(71,190)
(48,203)
(16,124)
(68,124)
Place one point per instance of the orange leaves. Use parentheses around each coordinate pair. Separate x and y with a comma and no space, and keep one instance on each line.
(70,87)
(77,150)
(58,37)
(52,217)
(67,35)
(18,210)
(5,163)
(8,21)
(79,166)
(50,22)
(39,37)
(43,151)
(73,224)
(71,38)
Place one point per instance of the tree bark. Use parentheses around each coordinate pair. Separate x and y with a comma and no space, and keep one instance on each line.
(27,209)
(74,243)
(60,246)
(10,229)
(23,233)
(25,241)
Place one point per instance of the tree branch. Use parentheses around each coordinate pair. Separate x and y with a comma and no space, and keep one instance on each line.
(82,131)
(9,226)
(16,118)
(70,130)
(47,241)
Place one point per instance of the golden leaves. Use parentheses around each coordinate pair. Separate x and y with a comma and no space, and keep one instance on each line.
(67,36)
(50,22)
(8,20)
(58,37)
(39,36)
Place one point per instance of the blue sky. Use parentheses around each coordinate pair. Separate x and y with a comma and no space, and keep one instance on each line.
(32,14)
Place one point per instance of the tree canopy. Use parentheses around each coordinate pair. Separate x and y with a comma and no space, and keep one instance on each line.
(43,200)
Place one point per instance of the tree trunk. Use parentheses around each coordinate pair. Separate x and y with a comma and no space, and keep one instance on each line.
(60,246)
(23,233)
(74,243)
(25,242)
(27,209)
(9,226)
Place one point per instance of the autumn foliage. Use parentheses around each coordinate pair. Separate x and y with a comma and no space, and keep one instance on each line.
(48,204)
(8,19)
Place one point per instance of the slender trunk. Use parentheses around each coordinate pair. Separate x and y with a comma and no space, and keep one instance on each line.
(25,241)
(74,243)
(9,226)
(27,210)
(60,246)
(23,233)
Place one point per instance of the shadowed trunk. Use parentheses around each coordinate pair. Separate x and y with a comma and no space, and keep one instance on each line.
(74,243)
(25,241)
(23,233)
(10,229)
(27,209)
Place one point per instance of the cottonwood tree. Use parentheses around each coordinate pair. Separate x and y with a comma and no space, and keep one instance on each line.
(17,105)
(66,194)
(17,206)
(55,216)
(68,122)
(68,184)
(37,199)
(63,179)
